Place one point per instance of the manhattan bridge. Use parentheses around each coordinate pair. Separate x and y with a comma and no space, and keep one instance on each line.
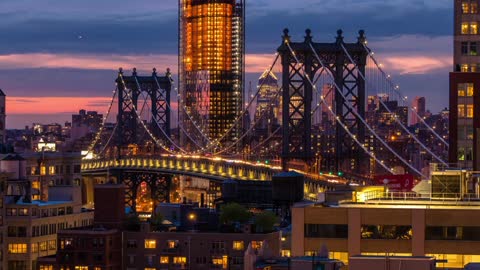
(135,145)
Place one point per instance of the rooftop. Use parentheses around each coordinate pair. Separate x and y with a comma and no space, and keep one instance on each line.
(42,203)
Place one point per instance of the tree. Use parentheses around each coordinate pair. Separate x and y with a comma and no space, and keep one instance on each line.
(156,221)
(233,212)
(265,221)
(132,223)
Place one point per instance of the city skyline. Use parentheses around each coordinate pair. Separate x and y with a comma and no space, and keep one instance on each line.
(73,51)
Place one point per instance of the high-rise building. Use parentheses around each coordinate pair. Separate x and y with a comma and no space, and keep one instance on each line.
(211,64)
(419,104)
(267,88)
(464,144)
(3,116)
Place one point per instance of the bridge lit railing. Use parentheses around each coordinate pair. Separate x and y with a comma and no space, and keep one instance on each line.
(211,167)
(215,167)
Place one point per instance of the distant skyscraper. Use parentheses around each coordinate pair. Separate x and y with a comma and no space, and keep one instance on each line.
(419,105)
(328,93)
(3,117)
(211,64)
(267,87)
(464,137)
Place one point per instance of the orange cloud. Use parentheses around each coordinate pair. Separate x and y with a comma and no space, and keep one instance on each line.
(62,105)
(416,64)
(255,63)
(88,61)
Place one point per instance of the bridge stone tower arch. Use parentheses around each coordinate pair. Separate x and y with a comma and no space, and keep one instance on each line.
(130,89)
(297,98)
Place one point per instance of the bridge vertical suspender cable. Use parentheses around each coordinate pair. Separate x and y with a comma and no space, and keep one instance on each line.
(168,106)
(143,124)
(395,88)
(146,128)
(354,111)
(264,112)
(102,125)
(381,162)
(395,118)
(218,140)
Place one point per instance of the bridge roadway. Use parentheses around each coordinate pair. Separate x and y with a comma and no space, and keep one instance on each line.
(212,168)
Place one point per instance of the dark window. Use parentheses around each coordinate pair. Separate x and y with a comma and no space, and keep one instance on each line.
(473,48)
(464,48)
(386,232)
(452,233)
(76,168)
(22,231)
(326,230)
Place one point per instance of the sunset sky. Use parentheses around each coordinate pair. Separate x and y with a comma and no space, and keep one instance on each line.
(59,56)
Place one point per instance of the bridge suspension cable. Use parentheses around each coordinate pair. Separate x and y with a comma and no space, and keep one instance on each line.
(353,109)
(396,90)
(168,105)
(263,113)
(395,115)
(185,110)
(360,144)
(236,121)
(154,119)
(102,125)
(164,147)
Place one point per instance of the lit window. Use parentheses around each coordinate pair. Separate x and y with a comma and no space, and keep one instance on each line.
(43,170)
(43,246)
(46,267)
(34,247)
(238,245)
(469,89)
(179,260)
(172,244)
(285,253)
(149,243)
(164,260)
(473,28)
(17,248)
(51,170)
(220,261)
(461,154)
(465,28)
(52,244)
(470,111)
(77,267)
(473,8)
(465,89)
(464,68)
(465,7)
(148,268)
(257,245)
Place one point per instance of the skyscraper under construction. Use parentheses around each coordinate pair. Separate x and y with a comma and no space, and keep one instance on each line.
(211,66)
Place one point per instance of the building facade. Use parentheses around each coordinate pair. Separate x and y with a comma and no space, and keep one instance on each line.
(211,65)
(465,86)
(418,104)
(445,231)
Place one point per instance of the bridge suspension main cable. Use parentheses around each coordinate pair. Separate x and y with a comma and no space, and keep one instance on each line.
(337,118)
(413,136)
(396,90)
(155,120)
(157,141)
(98,135)
(168,106)
(240,117)
(263,113)
(353,109)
